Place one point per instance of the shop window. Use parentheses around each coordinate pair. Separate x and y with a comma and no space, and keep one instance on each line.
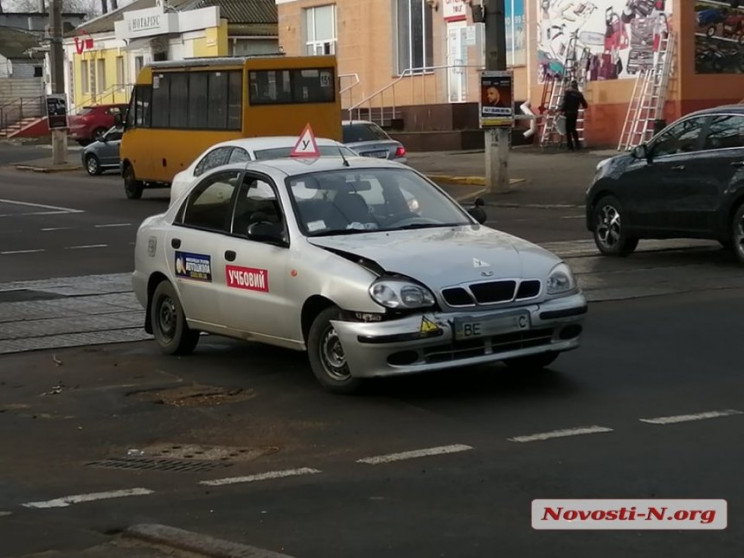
(84,77)
(101,71)
(320,30)
(414,36)
(120,79)
(278,87)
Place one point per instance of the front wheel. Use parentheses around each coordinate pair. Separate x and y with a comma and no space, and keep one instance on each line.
(169,325)
(610,235)
(132,187)
(92,165)
(737,233)
(326,355)
(532,362)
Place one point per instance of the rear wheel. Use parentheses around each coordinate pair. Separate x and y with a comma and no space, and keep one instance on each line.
(532,362)
(326,355)
(169,325)
(737,233)
(132,187)
(92,165)
(610,235)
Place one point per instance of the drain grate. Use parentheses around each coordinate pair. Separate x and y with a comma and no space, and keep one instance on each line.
(27,295)
(172,465)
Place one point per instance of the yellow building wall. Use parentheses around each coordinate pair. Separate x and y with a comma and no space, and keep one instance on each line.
(106,93)
(214,42)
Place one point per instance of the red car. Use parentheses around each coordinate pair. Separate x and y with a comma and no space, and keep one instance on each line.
(91,123)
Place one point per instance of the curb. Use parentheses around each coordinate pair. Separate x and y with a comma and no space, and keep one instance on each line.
(34,168)
(189,541)
(468,180)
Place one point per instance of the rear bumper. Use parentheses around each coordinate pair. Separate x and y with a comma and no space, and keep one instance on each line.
(414,344)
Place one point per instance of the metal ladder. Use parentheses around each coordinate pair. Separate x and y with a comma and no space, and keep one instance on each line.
(572,69)
(649,97)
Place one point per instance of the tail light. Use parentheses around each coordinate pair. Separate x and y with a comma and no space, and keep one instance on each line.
(400,152)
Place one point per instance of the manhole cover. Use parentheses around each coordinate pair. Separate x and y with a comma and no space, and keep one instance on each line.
(196,395)
(204,453)
(26,295)
(174,465)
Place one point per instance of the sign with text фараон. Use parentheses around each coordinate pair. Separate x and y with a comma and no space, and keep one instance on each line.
(496,102)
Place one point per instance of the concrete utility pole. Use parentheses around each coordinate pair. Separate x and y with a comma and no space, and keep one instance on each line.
(57,60)
(497,140)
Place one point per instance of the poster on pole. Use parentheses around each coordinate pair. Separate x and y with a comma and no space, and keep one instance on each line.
(496,103)
(56,106)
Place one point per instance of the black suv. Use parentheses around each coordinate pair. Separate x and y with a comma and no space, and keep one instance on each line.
(686,182)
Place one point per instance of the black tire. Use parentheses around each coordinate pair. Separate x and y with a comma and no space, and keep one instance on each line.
(326,355)
(737,233)
(609,234)
(532,362)
(132,187)
(92,165)
(169,326)
(98,134)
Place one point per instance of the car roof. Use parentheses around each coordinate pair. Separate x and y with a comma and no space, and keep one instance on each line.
(269,142)
(350,122)
(723,109)
(294,166)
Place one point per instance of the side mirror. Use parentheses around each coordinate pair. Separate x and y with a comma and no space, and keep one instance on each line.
(477,211)
(264,231)
(642,152)
(118,120)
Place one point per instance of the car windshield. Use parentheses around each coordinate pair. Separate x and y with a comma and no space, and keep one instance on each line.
(351,201)
(282,152)
(366,131)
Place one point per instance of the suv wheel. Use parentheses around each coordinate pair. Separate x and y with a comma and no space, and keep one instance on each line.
(737,233)
(132,187)
(610,235)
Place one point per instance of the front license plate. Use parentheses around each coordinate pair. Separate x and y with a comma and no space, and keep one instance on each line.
(473,327)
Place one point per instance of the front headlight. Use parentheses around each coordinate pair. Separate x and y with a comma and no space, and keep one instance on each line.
(401,294)
(561,280)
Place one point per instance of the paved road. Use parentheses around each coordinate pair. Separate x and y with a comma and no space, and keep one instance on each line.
(642,359)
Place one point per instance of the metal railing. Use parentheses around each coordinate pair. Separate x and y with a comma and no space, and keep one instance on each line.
(354,82)
(16,110)
(107,96)
(426,78)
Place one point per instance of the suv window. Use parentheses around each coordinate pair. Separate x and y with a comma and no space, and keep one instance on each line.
(725,132)
(213,159)
(680,138)
(209,206)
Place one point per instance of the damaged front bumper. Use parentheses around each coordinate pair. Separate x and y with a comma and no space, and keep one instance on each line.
(440,340)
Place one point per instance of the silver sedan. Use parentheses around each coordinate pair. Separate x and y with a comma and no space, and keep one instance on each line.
(327,256)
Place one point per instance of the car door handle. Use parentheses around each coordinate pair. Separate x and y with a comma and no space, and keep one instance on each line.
(176,242)
(230,256)
(679,167)
(737,164)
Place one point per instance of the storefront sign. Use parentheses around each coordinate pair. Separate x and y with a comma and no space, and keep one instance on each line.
(454,10)
(154,21)
(496,105)
(56,106)
(83,42)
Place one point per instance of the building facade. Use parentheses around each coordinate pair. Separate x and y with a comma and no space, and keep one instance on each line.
(104,56)
(423,57)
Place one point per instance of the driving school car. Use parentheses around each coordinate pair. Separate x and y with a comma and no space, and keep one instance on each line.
(331,256)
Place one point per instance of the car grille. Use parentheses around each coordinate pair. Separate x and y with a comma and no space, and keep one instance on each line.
(491,292)
(496,344)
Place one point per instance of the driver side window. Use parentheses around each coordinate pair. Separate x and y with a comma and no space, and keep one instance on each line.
(209,205)
(684,137)
(257,203)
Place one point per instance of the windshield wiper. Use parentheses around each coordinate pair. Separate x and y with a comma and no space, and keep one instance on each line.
(425,226)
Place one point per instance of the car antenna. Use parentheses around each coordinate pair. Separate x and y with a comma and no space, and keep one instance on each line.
(341,152)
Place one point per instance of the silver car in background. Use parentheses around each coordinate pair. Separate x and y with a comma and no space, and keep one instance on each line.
(103,154)
(327,256)
(369,140)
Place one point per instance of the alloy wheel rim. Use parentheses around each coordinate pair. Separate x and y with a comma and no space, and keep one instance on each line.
(92,165)
(167,318)
(332,356)
(739,235)
(609,226)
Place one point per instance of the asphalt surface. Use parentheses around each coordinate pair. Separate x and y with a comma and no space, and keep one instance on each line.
(237,441)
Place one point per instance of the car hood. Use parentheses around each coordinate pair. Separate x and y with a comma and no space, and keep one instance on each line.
(446,256)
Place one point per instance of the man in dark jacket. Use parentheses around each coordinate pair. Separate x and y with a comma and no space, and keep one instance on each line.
(573,99)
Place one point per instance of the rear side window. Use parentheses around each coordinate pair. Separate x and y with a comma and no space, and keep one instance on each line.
(725,132)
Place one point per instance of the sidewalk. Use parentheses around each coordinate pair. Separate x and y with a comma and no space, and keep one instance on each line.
(538,178)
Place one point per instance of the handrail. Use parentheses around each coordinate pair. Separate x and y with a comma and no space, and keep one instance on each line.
(7,116)
(343,90)
(409,72)
(99,98)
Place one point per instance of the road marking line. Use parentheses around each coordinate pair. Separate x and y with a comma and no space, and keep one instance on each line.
(84,246)
(56,229)
(697,416)
(376,460)
(11,252)
(113,225)
(42,206)
(572,216)
(79,498)
(261,476)
(5,514)
(561,433)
